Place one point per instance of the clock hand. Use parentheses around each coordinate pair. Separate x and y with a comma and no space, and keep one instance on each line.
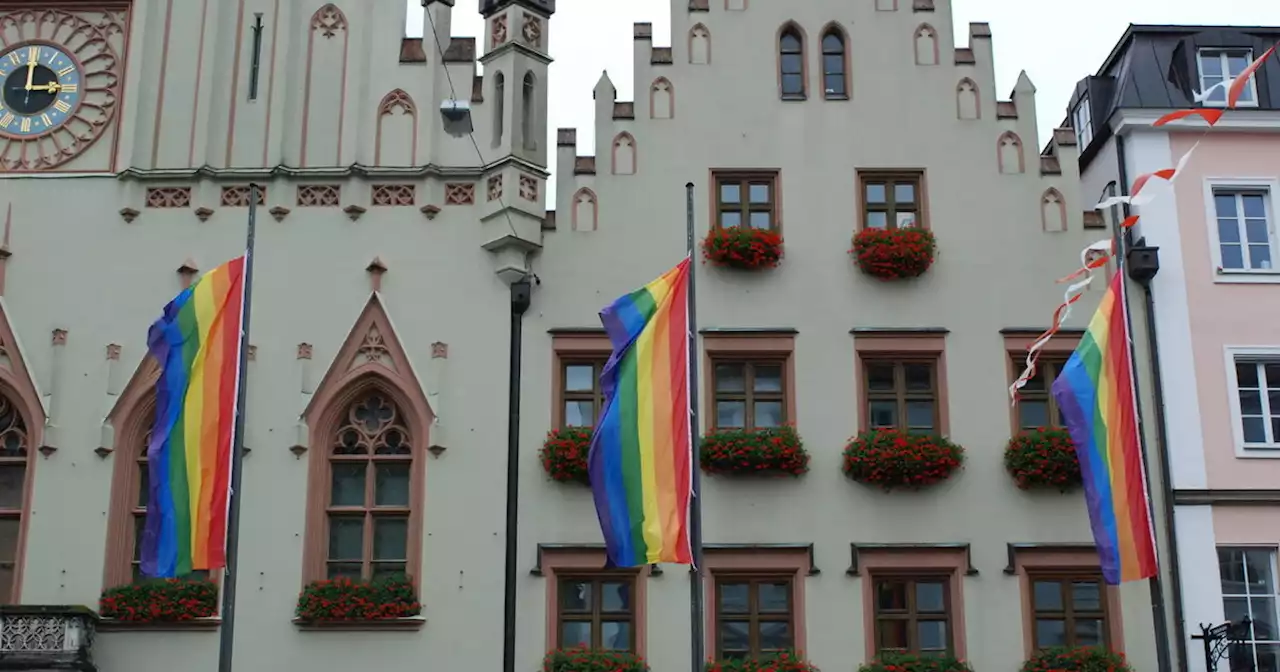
(52,87)
(31,72)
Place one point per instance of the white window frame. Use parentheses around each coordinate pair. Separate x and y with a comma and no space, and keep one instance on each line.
(1251,450)
(1275,581)
(1220,53)
(1271,185)
(1082,121)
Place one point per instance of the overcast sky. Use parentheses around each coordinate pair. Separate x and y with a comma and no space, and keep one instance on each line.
(1057,43)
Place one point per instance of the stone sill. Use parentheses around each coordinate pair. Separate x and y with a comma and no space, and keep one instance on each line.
(410,623)
(113,625)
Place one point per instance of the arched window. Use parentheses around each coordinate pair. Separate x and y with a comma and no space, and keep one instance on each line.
(791,63)
(14,450)
(499,106)
(528,107)
(369,505)
(834,82)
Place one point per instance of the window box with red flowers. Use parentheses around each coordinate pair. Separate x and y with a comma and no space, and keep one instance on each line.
(1044,457)
(915,662)
(894,254)
(893,459)
(564,454)
(786,661)
(772,451)
(742,247)
(342,602)
(1076,659)
(582,659)
(160,602)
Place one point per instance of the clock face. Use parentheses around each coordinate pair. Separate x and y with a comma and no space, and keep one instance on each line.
(42,86)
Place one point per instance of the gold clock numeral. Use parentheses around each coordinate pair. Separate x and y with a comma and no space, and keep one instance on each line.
(70,88)
(26,124)
(7,120)
(45,118)
(62,106)
(14,58)
(66,71)
(53,57)
(33,54)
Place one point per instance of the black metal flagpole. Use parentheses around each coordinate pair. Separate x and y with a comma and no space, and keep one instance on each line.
(226,642)
(696,648)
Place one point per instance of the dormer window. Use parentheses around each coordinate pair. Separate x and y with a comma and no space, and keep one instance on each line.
(1217,68)
(1082,122)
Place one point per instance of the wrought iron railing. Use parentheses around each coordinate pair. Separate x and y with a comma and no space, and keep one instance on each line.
(40,637)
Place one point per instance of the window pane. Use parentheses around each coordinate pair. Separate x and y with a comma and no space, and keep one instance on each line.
(1086,596)
(730,193)
(768,378)
(730,378)
(880,377)
(877,220)
(735,636)
(768,414)
(615,635)
(792,85)
(733,598)
(883,414)
(579,378)
(904,193)
(730,219)
(833,64)
(1259,565)
(761,219)
(893,634)
(348,484)
(920,415)
(1254,430)
(731,414)
(1235,609)
(1033,413)
(1264,617)
(615,597)
(1229,230)
(1047,596)
(775,597)
(391,485)
(1260,256)
(933,635)
(1231,569)
(790,43)
(390,538)
(930,597)
(11,477)
(385,570)
(575,595)
(791,66)
(144,483)
(904,220)
(1271,372)
(346,538)
(575,633)
(775,635)
(1256,230)
(832,43)
(344,570)
(1247,374)
(1211,64)
(1051,632)
(919,377)
(759,193)
(1232,256)
(1254,206)
(833,84)
(1225,205)
(1236,63)
(579,413)
(891,596)
(1250,402)
(875,193)
(1089,632)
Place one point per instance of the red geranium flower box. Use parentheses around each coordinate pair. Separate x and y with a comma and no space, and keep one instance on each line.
(564,454)
(771,451)
(1044,457)
(346,600)
(742,247)
(160,601)
(890,458)
(583,659)
(1076,659)
(894,254)
(915,662)
(786,661)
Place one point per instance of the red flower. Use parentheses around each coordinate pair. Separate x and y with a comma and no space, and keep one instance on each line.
(1076,659)
(583,659)
(1043,457)
(564,454)
(892,254)
(742,247)
(890,458)
(785,661)
(914,662)
(346,600)
(769,451)
(160,601)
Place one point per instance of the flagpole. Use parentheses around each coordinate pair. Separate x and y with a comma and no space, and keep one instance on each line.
(697,653)
(227,634)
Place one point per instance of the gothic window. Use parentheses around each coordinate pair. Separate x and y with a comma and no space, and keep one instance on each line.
(835,83)
(791,73)
(499,93)
(14,450)
(528,107)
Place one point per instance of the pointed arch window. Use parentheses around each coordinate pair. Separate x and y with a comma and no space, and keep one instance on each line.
(835,76)
(370,482)
(14,450)
(791,63)
(499,104)
(528,96)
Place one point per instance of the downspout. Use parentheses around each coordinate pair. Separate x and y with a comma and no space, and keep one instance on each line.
(521,296)
(1162,434)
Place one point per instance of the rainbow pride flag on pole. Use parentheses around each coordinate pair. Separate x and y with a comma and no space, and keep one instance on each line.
(1095,393)
(197,344)
(641,460)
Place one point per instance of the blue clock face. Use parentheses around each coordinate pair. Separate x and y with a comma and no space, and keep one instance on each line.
(42,87)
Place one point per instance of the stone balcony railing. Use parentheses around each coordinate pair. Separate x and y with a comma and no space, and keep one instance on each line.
(39,637)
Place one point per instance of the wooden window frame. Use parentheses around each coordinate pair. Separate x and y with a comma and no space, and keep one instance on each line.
(845,64)
(900,395)
(1069,615)
(568,348)
(890,345)
(793,28)
(749,396)
(744,179)
(889,178)
(932,562)
(750,347)
(793,563)
(753,616)
(596,616)
(911,615)
(555,564)
(1075,560)
(1058,350)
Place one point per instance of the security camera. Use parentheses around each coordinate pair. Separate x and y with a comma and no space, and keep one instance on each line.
(457,117)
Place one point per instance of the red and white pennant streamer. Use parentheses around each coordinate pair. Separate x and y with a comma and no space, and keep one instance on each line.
(1096,255)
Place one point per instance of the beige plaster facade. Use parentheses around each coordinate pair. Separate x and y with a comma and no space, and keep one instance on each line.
(384,251)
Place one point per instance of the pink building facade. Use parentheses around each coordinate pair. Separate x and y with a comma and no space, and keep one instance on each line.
(1210,318)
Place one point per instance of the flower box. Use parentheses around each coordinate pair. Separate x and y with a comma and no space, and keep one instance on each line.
(890,458)
(564,454)
(1044,457)
(345,600)
(160,601)
(582,659)
(894,254)
(774,451)
(915,662)
(787,661)
(1076,659)
(742,247)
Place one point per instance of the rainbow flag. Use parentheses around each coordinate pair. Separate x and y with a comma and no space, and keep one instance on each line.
(197,345)
(1096,396)
(641,459)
